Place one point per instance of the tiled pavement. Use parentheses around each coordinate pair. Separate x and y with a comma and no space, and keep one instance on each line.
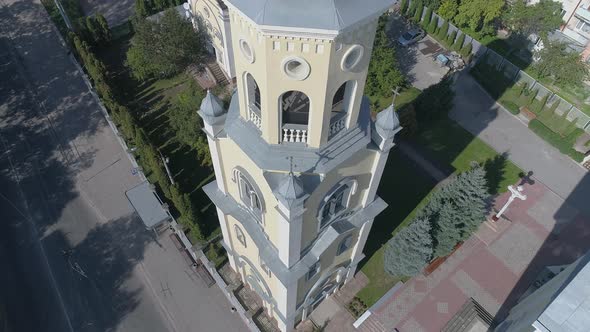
(495,266)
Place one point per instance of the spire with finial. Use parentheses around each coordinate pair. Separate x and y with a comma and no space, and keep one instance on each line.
(211,105)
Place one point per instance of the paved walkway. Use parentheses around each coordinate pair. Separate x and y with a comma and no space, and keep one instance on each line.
(477,112)
(495,266)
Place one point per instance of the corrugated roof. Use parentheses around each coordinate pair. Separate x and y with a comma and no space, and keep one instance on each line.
(331,15)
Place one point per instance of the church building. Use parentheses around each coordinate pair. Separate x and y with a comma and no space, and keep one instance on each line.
(297,156)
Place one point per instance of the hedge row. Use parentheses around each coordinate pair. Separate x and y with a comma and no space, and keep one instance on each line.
(563,143)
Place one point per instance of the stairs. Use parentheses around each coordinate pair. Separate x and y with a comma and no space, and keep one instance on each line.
(372,324)
(218,74)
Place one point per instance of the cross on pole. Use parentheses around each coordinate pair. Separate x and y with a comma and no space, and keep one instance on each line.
(395,94)
(291,164)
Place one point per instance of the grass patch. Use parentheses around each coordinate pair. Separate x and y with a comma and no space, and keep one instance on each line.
(405,97)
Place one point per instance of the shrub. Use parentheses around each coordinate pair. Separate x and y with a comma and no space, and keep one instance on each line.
(563,144)
(444,30)
(511,107)
(412,10)
(458,43)
(450,39)
(532,95)
(554,106)
(466,50)
(403,7)
(427,18)
(432,26)
(522,88)
(419,11)
(357,307)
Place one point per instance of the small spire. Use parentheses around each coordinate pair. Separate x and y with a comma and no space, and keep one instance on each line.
(387,122)
(211,105)
(290,189)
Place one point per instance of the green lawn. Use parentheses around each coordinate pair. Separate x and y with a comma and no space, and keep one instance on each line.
(150,101)
(405,97)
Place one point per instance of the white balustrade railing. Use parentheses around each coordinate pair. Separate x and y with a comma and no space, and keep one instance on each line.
(254,117)
(294,133)
(336,127)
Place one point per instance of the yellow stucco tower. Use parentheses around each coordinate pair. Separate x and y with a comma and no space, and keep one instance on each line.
(297,158)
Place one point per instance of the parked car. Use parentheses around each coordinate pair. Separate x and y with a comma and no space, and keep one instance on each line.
(411,36)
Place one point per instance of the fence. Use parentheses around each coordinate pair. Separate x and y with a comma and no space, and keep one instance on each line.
(514,75)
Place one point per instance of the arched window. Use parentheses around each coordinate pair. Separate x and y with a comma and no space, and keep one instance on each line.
(249,194)
(253,92)
(344,244)
(240,235)
(294,106)
(336,202)
(341,104)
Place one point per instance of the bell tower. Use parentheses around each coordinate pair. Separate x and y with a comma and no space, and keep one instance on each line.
(297,157)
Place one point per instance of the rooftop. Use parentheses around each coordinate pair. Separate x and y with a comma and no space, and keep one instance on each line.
(330,15)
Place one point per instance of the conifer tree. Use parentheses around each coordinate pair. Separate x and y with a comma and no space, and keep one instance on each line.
(410,250)
(105,31)
(94,30)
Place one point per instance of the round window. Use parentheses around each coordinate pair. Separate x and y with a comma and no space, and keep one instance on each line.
(296,68)
(247,51)
(352,57)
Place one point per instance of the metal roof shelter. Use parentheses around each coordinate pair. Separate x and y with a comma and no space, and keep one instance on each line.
(148,205)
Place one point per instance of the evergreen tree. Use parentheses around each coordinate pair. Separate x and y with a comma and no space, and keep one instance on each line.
(403,7)
(466,50)
(94,30)
(470,196)
(444,30)
(412,10)
(451,38)
(433,25)
(446,233)
(105,31)
(419,11)
(427,17)
(459,43)
(142,8)
(410,250)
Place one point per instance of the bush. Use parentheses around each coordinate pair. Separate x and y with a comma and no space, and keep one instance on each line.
(450,39)
(563,144)
(419,11)
(432,26)
(511,107)
(458,43)
(444,30)
(466,50)
(357,307)
(412,10)
(427,18)
(532,95)
(403,7)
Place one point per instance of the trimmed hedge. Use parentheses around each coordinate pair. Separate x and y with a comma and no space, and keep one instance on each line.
(511,107)
(563,144)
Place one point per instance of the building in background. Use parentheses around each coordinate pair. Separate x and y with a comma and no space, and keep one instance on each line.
(297,157)
(215,16)
(558,301)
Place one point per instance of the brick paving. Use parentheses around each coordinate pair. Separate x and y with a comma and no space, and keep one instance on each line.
(494,267)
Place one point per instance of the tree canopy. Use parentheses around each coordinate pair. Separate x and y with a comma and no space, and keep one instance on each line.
(477,14)
(384,73)
(165,47)
(562,65)
(409,250)
(540,18)
(448,9)
(186,123)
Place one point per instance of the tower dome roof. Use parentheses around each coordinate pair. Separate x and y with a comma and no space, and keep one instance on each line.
(211,105)
(290,189)
(332,15)
(387,122)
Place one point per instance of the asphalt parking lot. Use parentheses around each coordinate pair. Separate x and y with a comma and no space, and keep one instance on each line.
(417,60)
